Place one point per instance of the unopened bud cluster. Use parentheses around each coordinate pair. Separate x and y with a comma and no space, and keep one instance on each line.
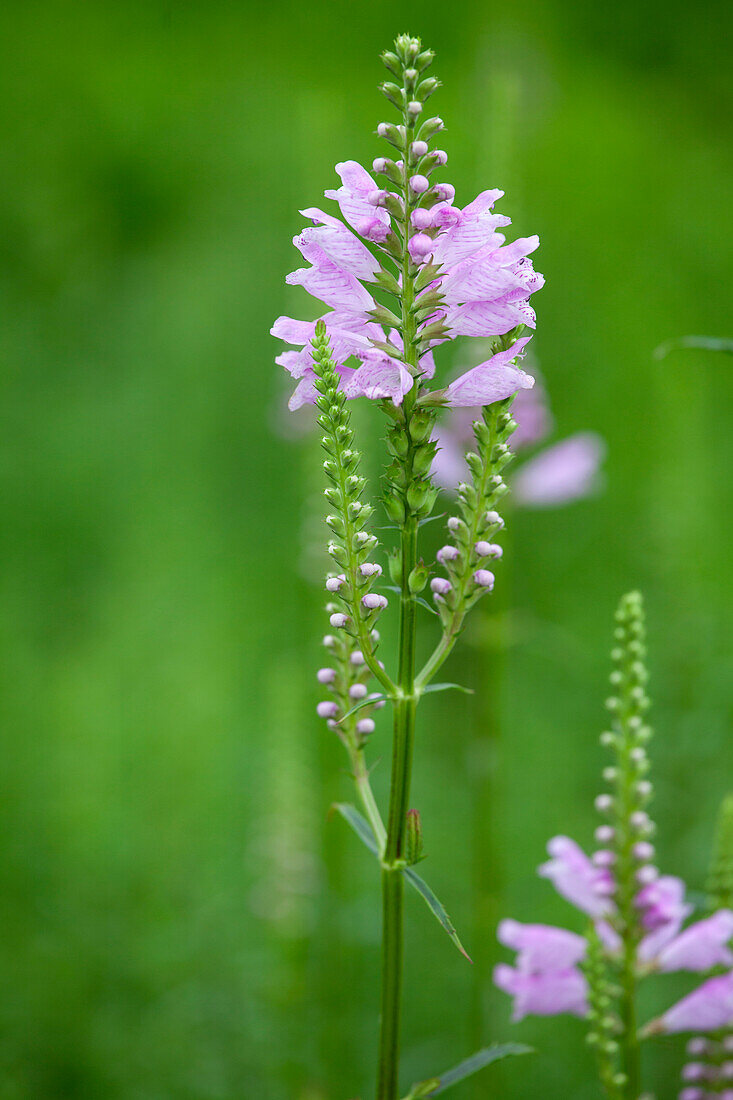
(353,607)
(416,205)
(470,554)
(628,854)
(604,1024)
(346,678)
(408,489)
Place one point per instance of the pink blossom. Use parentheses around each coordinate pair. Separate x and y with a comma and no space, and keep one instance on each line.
(701,946)
(542,948)
(564,472)
(352,198)
(543,994)
(575,877)
(490,381)
(707,1008)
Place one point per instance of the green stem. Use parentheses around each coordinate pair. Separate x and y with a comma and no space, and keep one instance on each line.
(631,1049)
(392,884)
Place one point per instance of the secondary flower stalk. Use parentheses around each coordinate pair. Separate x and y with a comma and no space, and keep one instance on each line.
(637,914)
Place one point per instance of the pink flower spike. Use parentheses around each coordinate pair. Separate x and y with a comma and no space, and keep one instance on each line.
(493,380)
(484,578)
(708,1008)
(701,946)
(543,994)
(562,473)
(542,948)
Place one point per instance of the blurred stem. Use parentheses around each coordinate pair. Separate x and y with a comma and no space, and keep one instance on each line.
(488,657)
(632,1053)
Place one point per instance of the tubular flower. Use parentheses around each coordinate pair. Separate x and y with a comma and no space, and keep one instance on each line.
(557,474)
(464,280)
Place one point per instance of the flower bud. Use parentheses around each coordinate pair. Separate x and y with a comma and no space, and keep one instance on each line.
(440,157)
(484,578)
(329,641)
(431,126)
(604,834)
(357,657)
(358,691)
(414,108)
(603,803)
(420,246)
(374,602)
(338,620)
(440,586)
(418,578)
(418,184)
(447,553)
(370,569)
(421,218)
(445,192)
(334,583)
(418,149)
(413,837)
(326,675)
(327,709)
(493,518)
(365,726)
(488,550)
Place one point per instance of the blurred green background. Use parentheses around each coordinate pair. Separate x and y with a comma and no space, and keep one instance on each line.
(179,917)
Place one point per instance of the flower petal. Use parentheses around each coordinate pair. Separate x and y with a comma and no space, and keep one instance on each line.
(575,877)
(490,381)
(370,221)
(701,946)
(541,947)
(543,994)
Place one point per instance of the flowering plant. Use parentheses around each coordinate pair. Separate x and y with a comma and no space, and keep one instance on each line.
(636,914)
(405,271)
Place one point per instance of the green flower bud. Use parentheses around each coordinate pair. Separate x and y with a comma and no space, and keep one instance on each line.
(418,578)
(413,837)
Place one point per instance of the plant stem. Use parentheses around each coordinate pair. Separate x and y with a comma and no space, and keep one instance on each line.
(392,880)
(632,1059)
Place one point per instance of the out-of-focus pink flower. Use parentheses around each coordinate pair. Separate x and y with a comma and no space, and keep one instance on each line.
(700,947)
(541,947)
(563,472)
(543,994)
(707,1008)
(575,876)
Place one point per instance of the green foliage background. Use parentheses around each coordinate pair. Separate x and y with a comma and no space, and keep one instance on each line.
(179,918)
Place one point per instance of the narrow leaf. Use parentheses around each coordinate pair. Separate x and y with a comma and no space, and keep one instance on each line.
(706,343)
(368,702)
(418,599)
(359,824)
(435,1085)
(430,519)
(436,907)
(446,687)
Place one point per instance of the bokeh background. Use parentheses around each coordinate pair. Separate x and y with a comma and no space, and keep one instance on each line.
(180,919)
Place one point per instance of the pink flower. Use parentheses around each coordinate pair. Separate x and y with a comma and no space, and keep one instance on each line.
(707,1008)
(543,994)
(542,948)
(490,381)
(481,288)
(564,472)
(575,877)
(701,946)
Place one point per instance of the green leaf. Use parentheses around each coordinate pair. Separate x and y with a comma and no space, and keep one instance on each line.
(369,701)
(706,343)
(435,1085)
(436,907)
(446,687)
(430,519)
(359,824)
(361,827)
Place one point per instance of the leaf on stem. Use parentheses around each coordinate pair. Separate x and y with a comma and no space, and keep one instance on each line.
(418,599)
(361,827)
(359,824)
(446,687)
(436,907)
(435,1085)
